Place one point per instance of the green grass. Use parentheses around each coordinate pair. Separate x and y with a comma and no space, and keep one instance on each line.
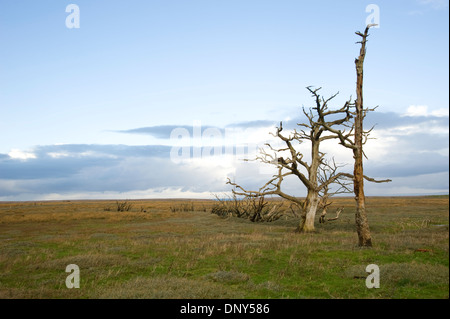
(170,253)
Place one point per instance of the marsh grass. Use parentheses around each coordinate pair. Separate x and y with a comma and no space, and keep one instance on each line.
(166,253)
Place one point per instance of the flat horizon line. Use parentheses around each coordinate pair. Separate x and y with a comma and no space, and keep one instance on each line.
(198,199)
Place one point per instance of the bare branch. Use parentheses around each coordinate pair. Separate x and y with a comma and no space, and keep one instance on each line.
(376,181)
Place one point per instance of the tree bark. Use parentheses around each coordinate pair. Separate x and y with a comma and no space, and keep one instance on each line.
(312,198)
(309,215)
(362,224)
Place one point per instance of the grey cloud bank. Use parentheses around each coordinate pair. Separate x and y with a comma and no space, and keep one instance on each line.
(411,150)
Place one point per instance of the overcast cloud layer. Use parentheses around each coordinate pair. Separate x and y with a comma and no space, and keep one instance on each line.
(410,149)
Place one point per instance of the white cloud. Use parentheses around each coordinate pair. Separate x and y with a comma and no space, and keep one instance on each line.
(443,151)
(417,110)
(91,154)
(22,155)
(426,127)
(58,154)
(422,110)
(152,193)
(440,112)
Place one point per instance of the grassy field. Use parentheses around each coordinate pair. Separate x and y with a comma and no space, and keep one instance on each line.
(158,250)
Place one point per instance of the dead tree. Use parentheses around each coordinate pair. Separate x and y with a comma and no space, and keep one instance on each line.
(359,138)
(362,224)
(290,161)
(347,127)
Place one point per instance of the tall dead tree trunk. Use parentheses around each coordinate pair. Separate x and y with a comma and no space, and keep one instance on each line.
(362,224)
(354,140)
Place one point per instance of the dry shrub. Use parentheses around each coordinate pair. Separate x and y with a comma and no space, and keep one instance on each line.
(251,208)
(183,207)
(124,206)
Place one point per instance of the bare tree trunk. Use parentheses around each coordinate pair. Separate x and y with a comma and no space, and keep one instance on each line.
(362,224)
(312,198)
(309,214)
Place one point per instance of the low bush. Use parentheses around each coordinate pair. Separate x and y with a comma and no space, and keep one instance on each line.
(183,207)
(255,209)
(123,206)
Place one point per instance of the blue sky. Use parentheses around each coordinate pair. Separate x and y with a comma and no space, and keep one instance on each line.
(80,107)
